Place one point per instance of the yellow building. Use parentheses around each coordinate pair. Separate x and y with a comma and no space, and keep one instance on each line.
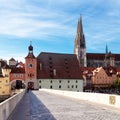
(5,87)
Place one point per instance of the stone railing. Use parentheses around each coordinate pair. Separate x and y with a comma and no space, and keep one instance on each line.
(105,99)
(7,106)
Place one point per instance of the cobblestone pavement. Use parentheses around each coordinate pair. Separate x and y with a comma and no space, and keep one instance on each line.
(46,106)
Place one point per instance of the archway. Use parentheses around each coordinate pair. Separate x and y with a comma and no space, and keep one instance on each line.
(31,85)
(17,84)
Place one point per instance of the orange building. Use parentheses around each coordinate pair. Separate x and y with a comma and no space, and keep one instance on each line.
(17,77)
(103,77)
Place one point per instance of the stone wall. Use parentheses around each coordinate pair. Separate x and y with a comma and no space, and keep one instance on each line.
(7,106)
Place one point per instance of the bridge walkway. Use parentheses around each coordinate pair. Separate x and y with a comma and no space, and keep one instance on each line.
(40,105)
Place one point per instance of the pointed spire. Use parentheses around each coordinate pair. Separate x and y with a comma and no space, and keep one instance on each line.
(106,49)
(80,27)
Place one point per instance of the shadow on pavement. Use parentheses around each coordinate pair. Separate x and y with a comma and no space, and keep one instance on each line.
(38,111)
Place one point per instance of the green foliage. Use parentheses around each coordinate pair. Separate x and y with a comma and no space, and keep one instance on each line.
(116,84)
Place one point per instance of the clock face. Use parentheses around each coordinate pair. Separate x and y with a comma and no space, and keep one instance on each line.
(30,65)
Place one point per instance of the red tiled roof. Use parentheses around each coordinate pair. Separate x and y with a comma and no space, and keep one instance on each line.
(20,64)
(30,55)
(118,69)
(65,65)
(6,67)
(101,56)
(95,56)
(110,70)
(2,63)
(87,71)
(17,70)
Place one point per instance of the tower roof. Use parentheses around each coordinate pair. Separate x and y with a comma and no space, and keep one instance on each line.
(80,38)
(80,27)
(30,48)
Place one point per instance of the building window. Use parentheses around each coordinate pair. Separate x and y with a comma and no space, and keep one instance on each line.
(40,66)
(40,81)
(51,81)
(68,86)
(40,86)
(59,86)
(6,81)
(59,81)
(76,81)
(54,72)
(68,81)
(50,58)
(72,86)
(66,61)
(21,75)
(76,86)
(6,75)
(51,87)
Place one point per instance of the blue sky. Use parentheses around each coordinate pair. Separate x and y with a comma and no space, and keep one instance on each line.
(52,25)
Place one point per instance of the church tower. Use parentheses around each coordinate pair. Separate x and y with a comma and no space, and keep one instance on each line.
(109,58)
(80,45)
(31,69)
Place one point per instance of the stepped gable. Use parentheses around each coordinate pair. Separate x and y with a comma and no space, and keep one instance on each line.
(57,66)
(12,59)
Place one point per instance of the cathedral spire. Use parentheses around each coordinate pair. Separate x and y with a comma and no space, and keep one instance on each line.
(80,27)
(106,49)
(80,45)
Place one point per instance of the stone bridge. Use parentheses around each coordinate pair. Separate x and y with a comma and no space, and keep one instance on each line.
(58,105)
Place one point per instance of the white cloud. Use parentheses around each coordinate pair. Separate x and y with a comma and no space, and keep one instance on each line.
(51,19)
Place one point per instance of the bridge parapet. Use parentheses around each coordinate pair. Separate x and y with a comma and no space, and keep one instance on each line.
(105,99)
(7,106)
